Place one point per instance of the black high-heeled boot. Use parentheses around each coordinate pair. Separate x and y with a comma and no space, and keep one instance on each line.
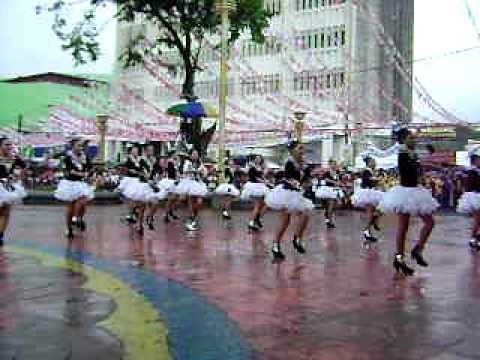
(173,215)
(253,226)
(474,244)
(69,233)
(330,224)
(418,256)
(401,266)
(367,235)
(149,221)
(277,252)
(298,245)
(226,214)
(82,225)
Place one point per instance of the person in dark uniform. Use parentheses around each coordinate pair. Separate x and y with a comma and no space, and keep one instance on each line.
(168,185)
(153,172)
(368,197)
(290,198)
(255,189)
(192,187)
(11,190)
(330,192)
(228,191)
(135,188)
(469,202)
(74,188)
(407,200)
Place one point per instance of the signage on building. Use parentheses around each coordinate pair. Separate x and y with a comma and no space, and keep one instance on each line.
(437,133)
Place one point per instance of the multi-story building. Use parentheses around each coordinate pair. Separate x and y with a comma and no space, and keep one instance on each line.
(328,57)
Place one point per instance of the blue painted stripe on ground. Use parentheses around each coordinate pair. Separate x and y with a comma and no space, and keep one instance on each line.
(198,330)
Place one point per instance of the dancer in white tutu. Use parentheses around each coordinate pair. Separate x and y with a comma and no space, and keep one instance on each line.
(193,187)
(136,189)
(228,190)
(407,200)
(151,165)
(367,197)
(469,203)
(255,189)
(329,192)
(289,198)
(11,190)
(74,188)
(168,185)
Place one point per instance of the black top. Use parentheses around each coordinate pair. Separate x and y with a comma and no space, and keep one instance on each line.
(152,167)
(229,175)
(8,165)
(295,175)
(134,167)
(368,179)
(171,170)
(255,175)
(473,180)
(76,164)
(237,177)
(330,178)
(408,168)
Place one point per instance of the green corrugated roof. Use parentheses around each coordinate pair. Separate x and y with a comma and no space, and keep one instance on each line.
(32,100)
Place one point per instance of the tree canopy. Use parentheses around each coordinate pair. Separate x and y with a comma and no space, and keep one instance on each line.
(183,25)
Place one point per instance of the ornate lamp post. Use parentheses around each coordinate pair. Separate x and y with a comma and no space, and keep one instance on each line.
(224,7)
(299,124)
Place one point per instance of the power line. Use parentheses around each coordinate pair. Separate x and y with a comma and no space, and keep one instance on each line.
(472,19)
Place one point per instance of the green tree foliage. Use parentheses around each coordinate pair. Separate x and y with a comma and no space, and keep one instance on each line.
(183,25)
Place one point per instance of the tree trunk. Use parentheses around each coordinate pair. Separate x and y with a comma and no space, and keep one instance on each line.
(188,89)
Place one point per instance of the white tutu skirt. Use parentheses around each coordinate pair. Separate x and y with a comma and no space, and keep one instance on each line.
(329,193)
(367,197)
(191,187)
(469,202)
(158,196)
(292,201)
(227,190)
(166,185)
(122,186)
(69,191)
(254,190)
(136,190)
(408,200)
(11,195)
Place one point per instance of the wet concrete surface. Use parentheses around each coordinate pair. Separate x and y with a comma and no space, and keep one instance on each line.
(339,301)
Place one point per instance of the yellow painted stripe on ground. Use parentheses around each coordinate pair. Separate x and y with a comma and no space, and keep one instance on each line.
(135,321)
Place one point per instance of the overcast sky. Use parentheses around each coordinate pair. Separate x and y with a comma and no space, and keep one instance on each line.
(28,46)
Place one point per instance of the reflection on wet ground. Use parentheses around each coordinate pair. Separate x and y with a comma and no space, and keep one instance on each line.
(337,302)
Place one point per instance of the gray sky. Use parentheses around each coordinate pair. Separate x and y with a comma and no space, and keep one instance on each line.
(28,46)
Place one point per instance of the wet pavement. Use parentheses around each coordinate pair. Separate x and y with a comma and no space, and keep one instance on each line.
(215,294)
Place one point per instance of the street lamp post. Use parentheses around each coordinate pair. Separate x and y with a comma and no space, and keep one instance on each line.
(102,120)
(224,7)
(299,125)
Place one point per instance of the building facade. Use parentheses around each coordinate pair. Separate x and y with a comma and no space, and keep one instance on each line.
(327,57)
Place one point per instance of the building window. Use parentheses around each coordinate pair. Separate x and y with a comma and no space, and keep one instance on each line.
(304,5)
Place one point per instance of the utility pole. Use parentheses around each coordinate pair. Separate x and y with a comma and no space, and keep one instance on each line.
(224,7)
